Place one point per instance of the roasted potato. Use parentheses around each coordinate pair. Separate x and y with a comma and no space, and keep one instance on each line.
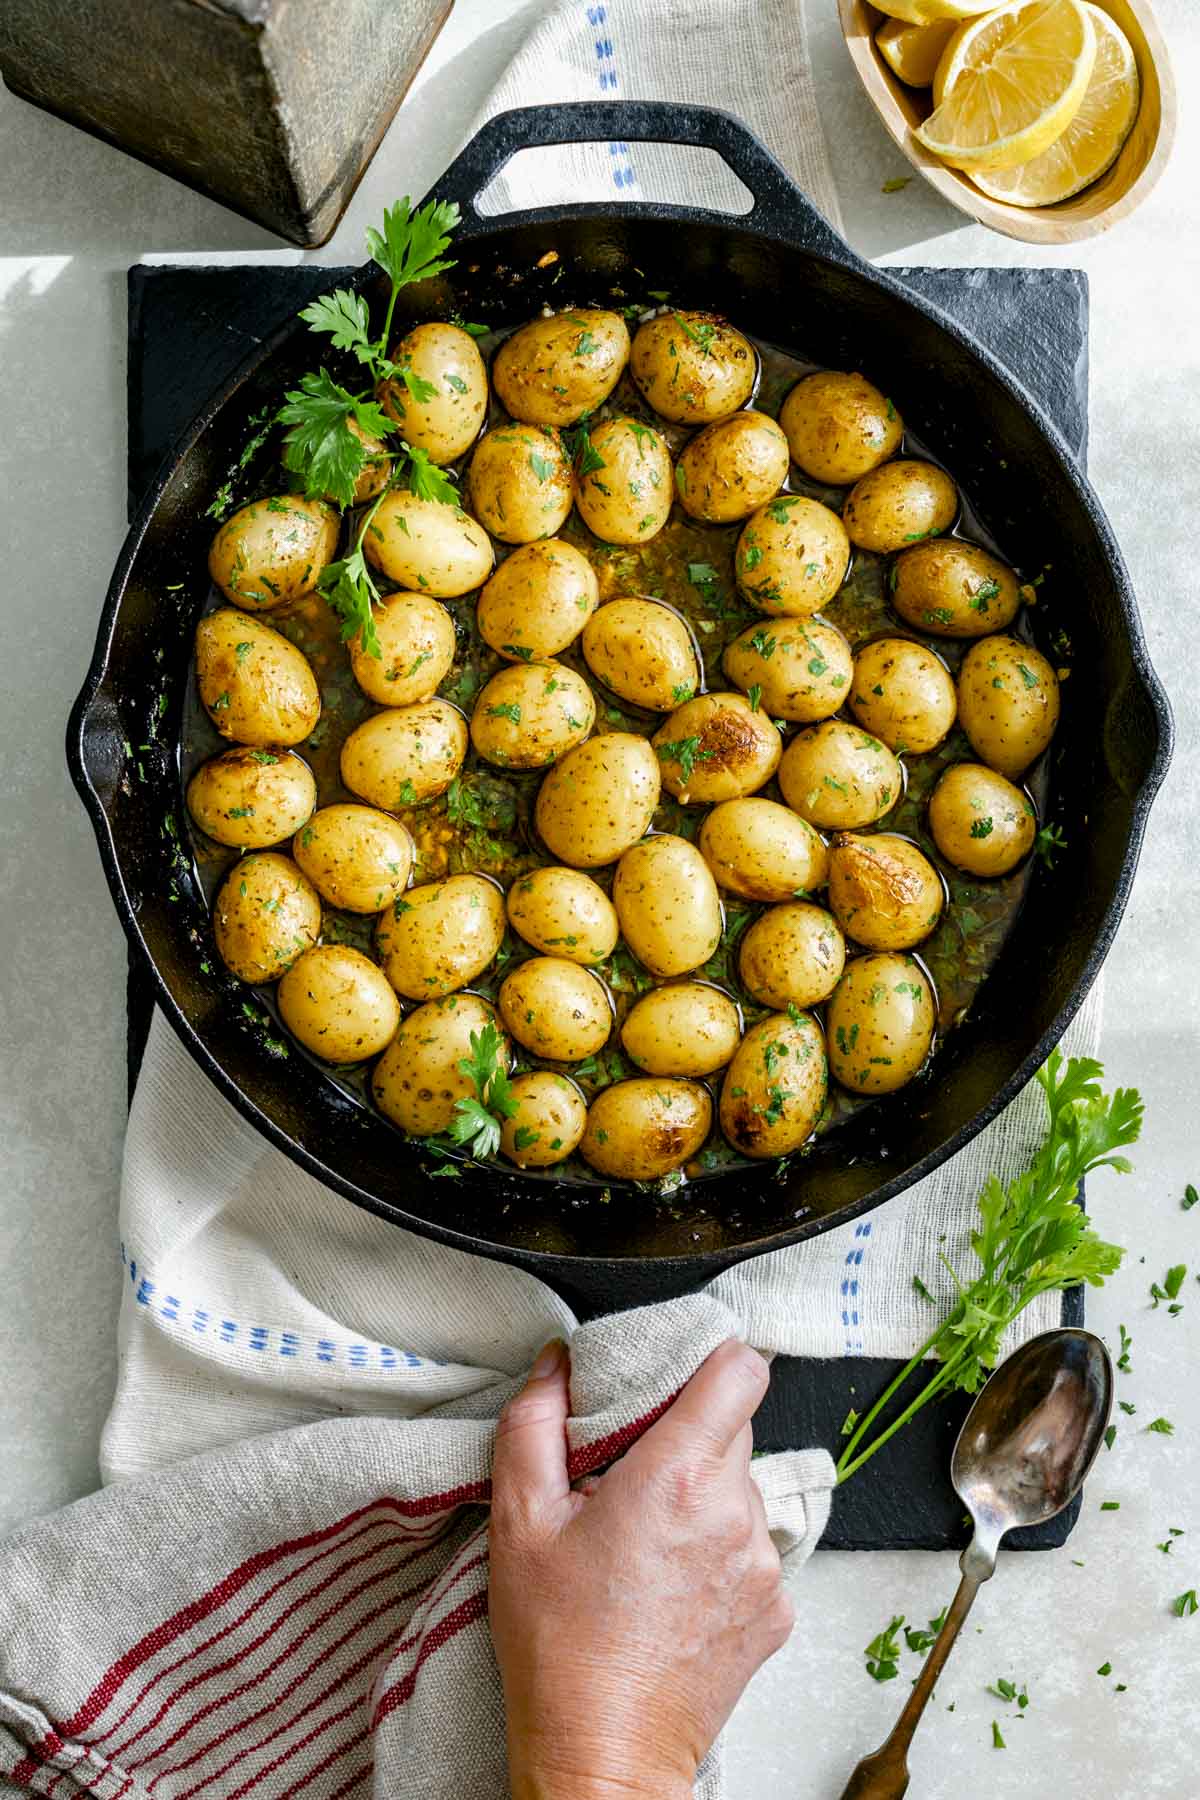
(355,856)
(555,1008)
(338,1004)
(644,652)
(716,747)
(731,468)
(553,370)
(641,1130)
(763,851)
(416,642)
(792,556)
(775,1088)
(550,1119)
(446,422)
(684,1028)
(980,822)
(428,545)
(562,912)
(839,426)
(880,1023)
(899,504)
(802,668)
(406,755)
(272,550)
(520,484)
(598,799)
(418,1081)
(693,367)
(625,495)
(538,601)
(884,891)
(529,714)
(255,686)
(1007,703)
(792,955)
(439,936)
(667,904)
(903,694)
(953,589)
(251,798)
(839,777)
(265,913)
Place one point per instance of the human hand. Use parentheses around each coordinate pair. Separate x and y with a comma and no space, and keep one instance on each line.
(629,1616)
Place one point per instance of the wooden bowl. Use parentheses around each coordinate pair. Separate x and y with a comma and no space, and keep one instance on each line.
(1124,186)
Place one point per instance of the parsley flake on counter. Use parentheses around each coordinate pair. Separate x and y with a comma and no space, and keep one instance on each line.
(1190,1197)
(1104,1669)
(998,1742)
(1163,1427)
(883,1652)
(1184,1605)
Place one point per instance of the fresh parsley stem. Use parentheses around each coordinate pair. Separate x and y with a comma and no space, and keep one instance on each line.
(385,335)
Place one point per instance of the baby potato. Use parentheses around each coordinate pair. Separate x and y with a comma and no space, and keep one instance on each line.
(642,1129)
(1007,703)
(375,471)
(417,1082)
(272,551)
(356,857)
(416,641)
(954,589)
(716,747)
(886,893)
(251,798)
(775,1088)
(563,913)
(643,651)
(685,1028)
(838,777)
(598,799)
(554,370)
(903,694)
(255,686)
(447,423)
(428,545)
(439,936)
(520,484)
(667,904)
(898,504)
(529,714)
(879,1023)
(792,955)
(731,468)
(402,757)
(337,1003)
(626,497)
(802,669)
(839,426)
(792,556)
(555,1008)
(693,367)
(538,601)
(980,822)
(763,851)
(550,1119)
(265,913)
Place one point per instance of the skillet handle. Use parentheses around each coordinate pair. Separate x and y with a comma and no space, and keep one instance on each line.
(780,209)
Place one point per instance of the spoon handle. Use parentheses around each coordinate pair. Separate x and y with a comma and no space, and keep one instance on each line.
(884,1774)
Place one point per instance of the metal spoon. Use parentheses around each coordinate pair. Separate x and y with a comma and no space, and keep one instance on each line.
(1022,1455)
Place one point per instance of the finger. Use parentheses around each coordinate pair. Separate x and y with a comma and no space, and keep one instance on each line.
(742,1448)
(529,1462)
(720,1399)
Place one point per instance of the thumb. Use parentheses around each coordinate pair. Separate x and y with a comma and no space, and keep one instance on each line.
(529,1463)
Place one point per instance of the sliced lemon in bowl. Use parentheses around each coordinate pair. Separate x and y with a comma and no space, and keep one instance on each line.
(1092,141)
(1009,83)
(932,12)
(913,52)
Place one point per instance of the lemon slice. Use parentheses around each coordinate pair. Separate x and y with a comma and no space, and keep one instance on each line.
(1010,83)
(913,52)
(932,12)
(1092,141)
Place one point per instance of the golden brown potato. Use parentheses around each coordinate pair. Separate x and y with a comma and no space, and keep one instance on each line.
(418,1081)
(338,1004)
(598,799)
(775,1088)
(447,421)
(520,485)
(880,1023)
(954,589)
(792,556)
(406,755)
(553,370)
(838,777)
(763,851)
(428,545)
(556,1009)
(538,601)
(1007,703)
(265,913)
(643,1129)
(251,798)
(716,747)
(667,904)
(255,686)
(625,496)
(529,714)
(731,468)
(563,913)
(416,642)
(980,822)
(885,893)
(903,694)
(899,504)
(792,955)
(272,551)
(684,1028)
(839,426)
(644,652)
(439,936)
(802,668)
(693,367)
(355,856)
(550,1119)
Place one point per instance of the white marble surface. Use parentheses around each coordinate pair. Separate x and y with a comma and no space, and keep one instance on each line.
(73,216)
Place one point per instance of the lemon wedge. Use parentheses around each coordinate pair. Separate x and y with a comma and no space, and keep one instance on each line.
(1092,141)
(913,52)
(932,12)
(1009,83)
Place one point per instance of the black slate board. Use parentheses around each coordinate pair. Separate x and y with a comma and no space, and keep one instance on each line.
(189,327)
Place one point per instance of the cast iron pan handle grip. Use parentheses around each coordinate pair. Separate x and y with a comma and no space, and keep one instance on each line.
(780,208)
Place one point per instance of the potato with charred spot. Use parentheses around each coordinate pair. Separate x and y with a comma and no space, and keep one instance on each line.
(251,798)
(899,504)
(792,556)
(839,426)
(445,422)
(418,1081)
(406,755)
(550,1119)
(563,912)
(553,370)
(792,955)
(763,851)
(265,914)
(884,891)
(623,488)
(880,1023)
(520,485)
(693,367)
(415,634)
(643,1129)
(954,589)
(775,1088)
(716,747)
(355,856)
(683,1028)
(643,651)
(598,799)
(903,694)
(255,686)
(667,904)
(556,1009)
(839,777)
(439,936)
(272,551)
(338,1004)
(538,601)
(802,668)
(730,469)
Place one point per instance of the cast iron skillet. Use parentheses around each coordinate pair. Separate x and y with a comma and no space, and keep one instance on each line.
(783,274)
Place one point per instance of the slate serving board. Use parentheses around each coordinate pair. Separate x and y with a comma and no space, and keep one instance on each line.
(189,327)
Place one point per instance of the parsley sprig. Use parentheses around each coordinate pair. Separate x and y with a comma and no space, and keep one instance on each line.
(478,1118)
(1032,1239)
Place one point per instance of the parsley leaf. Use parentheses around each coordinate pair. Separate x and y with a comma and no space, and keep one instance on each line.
(883,1652)
(684,751)
(345,318)
(477,1119)
(319,444)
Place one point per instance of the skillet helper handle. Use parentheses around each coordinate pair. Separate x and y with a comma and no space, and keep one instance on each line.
(780,208)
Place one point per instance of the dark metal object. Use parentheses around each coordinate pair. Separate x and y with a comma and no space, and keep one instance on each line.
(786,274)
(273,108)
(1021,1457)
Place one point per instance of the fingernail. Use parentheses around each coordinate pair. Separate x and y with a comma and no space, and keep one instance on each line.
(548,1360)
